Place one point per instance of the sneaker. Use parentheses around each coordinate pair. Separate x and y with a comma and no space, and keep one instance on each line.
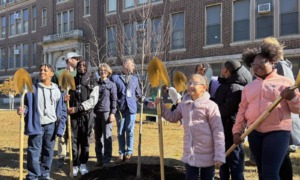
(83,170)
(120,159)
(127,158)
(60,163)
(75,171)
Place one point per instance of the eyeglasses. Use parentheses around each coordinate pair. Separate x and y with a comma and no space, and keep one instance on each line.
(259,64)
(76,58)
(193,83)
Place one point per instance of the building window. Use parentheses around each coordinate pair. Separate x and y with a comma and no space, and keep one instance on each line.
(33,53)
(128,4)
(2,58)
(25,21)
(142,2)
(129,46)
(11,58)
(12,26)
(241,21)
(111,41)
(156,31)
(140,35)
(213,25)
(59,1)
(34,18)
(87,7)
(264,21)
(3,27)
(65,21)
(17,16)
(25,54)
(87,52)
(111,6)
(289,17)
(17,53)
(177,31)
(44,17)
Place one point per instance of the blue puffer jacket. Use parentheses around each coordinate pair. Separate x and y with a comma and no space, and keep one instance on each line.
(32,116)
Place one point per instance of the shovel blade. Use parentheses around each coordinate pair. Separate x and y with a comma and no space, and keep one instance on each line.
(179,80)
(66,81)
(22,81)
(157,73)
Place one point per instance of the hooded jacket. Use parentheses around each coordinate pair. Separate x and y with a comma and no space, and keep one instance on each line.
(203,131)
(228,96)
(33,113)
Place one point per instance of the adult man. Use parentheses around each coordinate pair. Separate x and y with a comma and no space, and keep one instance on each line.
(228,96)
(72,60)
(128,91)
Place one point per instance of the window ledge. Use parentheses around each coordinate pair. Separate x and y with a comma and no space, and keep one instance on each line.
(86,16)
(111,13)
(17,35)
(213,46)
(177,50)
(294,36)
(238,43)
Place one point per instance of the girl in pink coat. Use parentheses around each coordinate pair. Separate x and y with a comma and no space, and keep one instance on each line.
(204,144)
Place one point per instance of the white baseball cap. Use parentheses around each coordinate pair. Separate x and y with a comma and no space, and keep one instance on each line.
(73,54)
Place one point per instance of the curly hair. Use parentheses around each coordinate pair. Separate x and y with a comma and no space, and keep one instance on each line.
(248,55)
(270,47)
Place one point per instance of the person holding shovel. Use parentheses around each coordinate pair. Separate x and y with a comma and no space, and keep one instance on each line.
(204,142)
(43,109)
(71,61)
(82,102)
(268,141)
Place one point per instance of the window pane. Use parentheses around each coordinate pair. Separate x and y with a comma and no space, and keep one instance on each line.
(128,42)
(129,3)
(87,7)
(155,34)
(25,55)
(289,16)
(178,31)
(34,18)
(2,58)
(65,21)
(71,20)
(112,5)
(111,42)
(241,20)
(18,56)
(12,25)
(143,1)
(59,23)
(264,26)
(3,27)
(213,29)
(44,23)
(25,20)
(11,57)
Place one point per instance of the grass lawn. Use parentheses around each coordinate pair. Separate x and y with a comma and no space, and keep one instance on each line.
(173,133)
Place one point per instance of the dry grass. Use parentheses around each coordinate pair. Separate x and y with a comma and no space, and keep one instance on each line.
(173,133)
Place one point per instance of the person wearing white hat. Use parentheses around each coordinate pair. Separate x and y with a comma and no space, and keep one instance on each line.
(72,60)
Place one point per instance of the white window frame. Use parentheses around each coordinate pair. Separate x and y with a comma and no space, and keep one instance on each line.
(114,41)
(233,21)
(113,11)
(44,17)
(34,18)
(2,58)
(61,21)
(3,28)
(221,21)
(87,5)
(172,27)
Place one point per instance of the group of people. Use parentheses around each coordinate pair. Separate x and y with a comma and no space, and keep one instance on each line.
(214,113)
(95,103)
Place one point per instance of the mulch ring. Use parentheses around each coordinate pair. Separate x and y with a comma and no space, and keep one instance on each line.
(128,172)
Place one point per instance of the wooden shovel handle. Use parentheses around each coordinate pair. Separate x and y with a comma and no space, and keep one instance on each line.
(70,138)
(21,140)
(160,133)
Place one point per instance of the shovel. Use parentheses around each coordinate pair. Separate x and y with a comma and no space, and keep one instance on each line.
(23,84)
(158,76)
(66,82)
(180,80)
(262,117)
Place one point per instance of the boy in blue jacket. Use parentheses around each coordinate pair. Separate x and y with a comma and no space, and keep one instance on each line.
(45,117)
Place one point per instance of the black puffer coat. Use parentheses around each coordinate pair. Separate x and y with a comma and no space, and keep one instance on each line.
(228,97)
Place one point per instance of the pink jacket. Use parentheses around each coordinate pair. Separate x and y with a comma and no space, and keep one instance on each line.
(258,96)
(204,141)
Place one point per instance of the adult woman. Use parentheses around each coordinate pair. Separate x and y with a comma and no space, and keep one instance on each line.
(269,141)
(105,110)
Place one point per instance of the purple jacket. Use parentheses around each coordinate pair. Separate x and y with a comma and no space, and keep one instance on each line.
(204,141)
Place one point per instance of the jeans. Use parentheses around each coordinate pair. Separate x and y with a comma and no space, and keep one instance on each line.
(192,173)
(40,152)
(286,169)
(103,137)
(269,150)
(125,124)
(234,165)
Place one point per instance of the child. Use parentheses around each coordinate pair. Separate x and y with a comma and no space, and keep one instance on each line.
(269,141)
(43,110)
(204,142)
